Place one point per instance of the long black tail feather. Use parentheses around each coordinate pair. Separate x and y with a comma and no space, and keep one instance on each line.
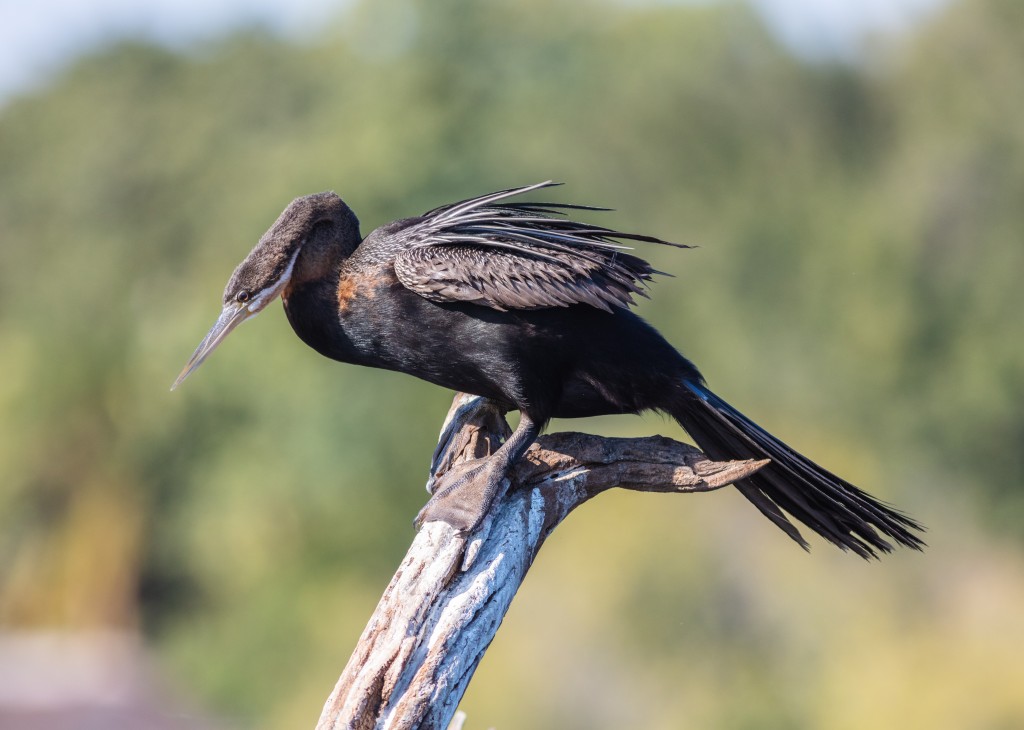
(832,507)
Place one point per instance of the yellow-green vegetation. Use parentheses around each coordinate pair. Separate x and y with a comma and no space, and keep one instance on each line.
(856,289)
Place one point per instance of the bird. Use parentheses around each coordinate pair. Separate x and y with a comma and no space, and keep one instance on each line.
(521,303)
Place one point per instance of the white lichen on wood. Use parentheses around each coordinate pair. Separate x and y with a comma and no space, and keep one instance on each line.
(443,607)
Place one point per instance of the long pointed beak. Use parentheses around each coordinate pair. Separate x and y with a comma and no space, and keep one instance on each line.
(233,315)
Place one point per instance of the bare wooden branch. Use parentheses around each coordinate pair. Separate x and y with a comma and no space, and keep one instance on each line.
(442,608)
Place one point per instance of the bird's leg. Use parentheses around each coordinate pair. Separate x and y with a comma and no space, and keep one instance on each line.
(464,495)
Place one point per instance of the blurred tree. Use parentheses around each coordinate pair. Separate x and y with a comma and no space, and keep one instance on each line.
(855,289)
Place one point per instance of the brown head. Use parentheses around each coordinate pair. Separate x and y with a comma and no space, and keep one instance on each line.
(314,224)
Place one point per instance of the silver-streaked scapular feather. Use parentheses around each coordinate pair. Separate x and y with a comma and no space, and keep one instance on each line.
(515,255)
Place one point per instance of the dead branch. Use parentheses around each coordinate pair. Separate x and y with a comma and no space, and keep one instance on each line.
(442,608)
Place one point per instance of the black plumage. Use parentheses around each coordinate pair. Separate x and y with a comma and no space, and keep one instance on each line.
(519,303)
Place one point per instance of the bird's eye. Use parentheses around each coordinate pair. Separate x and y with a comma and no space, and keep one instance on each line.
(242,297)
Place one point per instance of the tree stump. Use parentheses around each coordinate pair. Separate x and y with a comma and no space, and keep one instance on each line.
(443,606)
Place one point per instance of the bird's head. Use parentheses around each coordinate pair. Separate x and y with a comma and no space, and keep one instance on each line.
(320,222)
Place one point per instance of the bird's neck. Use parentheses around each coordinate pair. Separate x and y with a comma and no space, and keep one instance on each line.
(312,311)
(321,260)
(310,298)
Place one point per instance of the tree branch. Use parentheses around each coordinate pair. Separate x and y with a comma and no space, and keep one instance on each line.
(442,608)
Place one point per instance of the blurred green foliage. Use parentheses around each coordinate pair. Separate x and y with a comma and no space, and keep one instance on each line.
(856,290)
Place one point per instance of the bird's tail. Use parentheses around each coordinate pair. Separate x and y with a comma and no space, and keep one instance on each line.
(832,507)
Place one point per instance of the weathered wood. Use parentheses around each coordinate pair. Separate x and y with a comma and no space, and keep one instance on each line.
(441,610)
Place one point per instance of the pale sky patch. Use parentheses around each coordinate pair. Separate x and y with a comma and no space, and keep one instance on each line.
(40,37)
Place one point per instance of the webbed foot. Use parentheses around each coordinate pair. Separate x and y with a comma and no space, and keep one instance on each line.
(463,495)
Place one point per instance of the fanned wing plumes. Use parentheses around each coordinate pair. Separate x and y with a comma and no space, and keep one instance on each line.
(518,256)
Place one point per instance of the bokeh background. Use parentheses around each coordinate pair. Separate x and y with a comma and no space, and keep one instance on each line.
(853,174)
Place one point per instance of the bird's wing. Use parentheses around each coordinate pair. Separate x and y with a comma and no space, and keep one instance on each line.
(516,255)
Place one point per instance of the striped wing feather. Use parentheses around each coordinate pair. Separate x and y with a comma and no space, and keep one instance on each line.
(518,256)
